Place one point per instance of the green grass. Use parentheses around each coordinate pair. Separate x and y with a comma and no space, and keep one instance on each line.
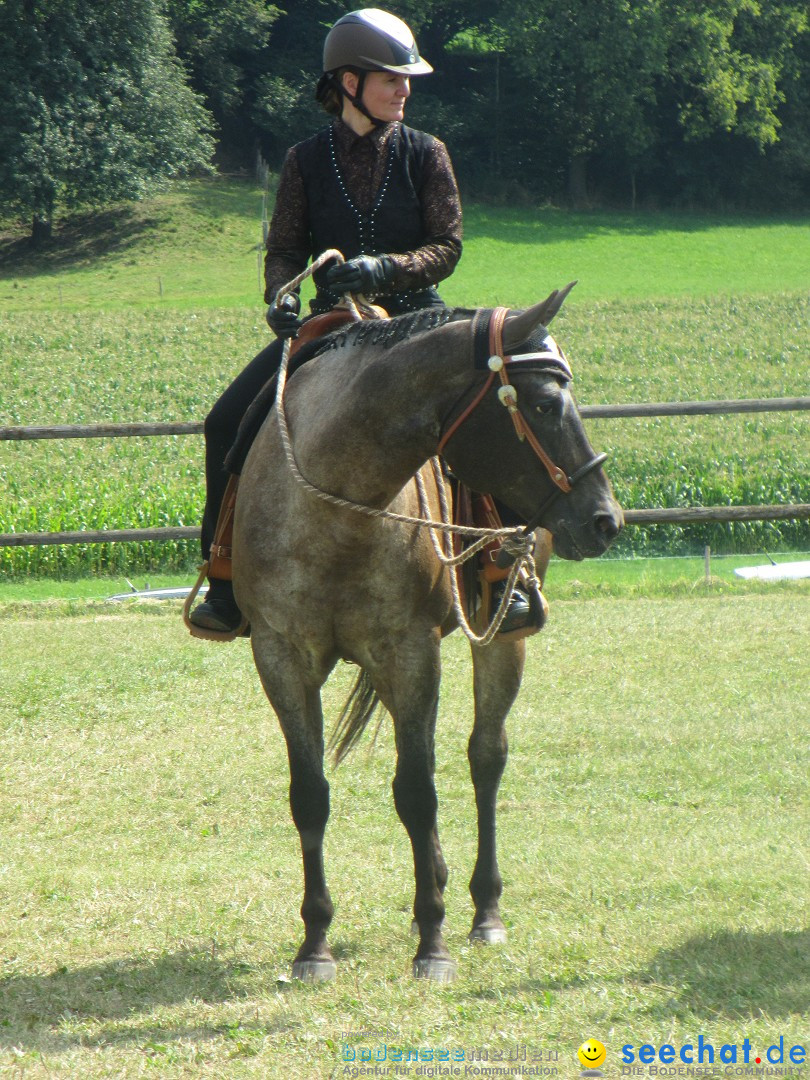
(44,596)
(199,245)
(511,255)
(163,365)
(652,823)
(653,814)
(659,315)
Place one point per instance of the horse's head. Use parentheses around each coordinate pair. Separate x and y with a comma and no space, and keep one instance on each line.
(520,437)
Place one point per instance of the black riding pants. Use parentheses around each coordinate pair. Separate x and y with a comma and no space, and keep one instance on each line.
(221,426)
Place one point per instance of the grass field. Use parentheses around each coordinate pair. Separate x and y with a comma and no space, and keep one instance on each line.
(653,815)
(652,833)
(197,248)
(107,366)
(669,308)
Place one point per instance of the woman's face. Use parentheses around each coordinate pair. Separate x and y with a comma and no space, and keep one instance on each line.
(384,94)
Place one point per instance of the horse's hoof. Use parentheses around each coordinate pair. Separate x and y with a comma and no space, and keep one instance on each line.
(314,971)
(489,935)
(440,971)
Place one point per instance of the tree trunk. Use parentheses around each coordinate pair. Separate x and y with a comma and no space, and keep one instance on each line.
(41,230)
(578,180)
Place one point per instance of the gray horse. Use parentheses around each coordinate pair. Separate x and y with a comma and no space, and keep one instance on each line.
(320,582)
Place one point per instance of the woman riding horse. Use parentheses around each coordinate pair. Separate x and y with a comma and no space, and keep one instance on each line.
(381,193)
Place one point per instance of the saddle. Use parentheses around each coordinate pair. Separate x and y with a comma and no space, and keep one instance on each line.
(219,563)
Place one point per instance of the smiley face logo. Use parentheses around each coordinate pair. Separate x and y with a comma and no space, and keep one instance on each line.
(592,1054)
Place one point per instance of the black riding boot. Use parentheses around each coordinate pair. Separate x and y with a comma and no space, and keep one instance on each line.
(518,613)
(219,610)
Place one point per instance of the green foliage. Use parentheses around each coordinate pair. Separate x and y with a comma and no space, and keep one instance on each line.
(224,45)
(727,62)
(97,108)
(625,100)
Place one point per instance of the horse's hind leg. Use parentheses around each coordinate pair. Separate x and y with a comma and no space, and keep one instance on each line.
(497,671)
(298,707)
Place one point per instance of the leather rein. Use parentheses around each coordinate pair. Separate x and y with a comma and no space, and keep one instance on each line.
(487,328)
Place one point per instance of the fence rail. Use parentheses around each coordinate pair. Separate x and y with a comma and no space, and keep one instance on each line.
(677,515)
(599,412)
(655,516)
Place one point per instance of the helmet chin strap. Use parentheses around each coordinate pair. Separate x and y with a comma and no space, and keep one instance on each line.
(357,99)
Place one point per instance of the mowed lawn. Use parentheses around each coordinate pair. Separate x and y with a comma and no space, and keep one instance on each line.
(199,247)
(653,826)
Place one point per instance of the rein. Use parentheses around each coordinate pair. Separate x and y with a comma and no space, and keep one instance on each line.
(517,542)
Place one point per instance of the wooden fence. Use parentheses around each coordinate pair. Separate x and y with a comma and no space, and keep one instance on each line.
(658,516)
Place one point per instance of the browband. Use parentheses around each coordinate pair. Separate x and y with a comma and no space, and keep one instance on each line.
(550,356)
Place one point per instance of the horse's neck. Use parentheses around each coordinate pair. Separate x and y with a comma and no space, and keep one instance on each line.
(364,423)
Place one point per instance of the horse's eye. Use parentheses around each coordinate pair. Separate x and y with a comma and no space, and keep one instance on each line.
(547,407)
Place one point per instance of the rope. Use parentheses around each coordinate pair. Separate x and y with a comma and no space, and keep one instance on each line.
(519,546)
(514,539)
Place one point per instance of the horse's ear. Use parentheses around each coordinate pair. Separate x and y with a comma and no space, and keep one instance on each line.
(518,328)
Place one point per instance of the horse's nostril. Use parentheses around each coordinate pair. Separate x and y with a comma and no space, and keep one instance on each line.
(608,525)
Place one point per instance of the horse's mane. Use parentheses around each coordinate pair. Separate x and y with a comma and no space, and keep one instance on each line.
(387,332)
(383,334)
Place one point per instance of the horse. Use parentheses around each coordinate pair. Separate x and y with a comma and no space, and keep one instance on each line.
(319,582)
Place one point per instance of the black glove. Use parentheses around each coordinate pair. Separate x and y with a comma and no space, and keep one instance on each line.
(283,320)
(367,274)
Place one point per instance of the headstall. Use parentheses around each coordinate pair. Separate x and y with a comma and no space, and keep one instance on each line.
(487,328)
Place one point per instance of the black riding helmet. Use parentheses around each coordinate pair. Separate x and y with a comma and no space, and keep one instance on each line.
(368,40)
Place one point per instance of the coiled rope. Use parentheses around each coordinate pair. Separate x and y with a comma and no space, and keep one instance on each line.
(513,539)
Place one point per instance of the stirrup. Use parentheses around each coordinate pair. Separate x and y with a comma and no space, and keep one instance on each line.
(243,630)
(537,613)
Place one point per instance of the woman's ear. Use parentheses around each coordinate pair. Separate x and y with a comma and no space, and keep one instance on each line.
(350,83)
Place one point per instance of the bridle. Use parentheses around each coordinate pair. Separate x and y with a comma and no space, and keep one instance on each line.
(488,351)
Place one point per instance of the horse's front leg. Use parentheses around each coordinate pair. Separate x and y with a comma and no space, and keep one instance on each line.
(411,693)
(297,703)
(497,671)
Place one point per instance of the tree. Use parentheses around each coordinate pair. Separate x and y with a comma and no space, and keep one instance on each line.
(624,84)
(726,64)
(96,106)
(224,44)
(594,67)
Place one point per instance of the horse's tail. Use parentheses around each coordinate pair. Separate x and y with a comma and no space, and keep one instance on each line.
(360,706)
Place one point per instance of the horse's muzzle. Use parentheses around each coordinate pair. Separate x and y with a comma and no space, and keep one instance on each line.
(588,540)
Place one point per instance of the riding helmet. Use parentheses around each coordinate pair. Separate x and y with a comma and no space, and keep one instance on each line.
(373,40)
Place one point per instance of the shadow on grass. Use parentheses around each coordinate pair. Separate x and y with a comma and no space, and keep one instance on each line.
(732,974)
(526,224)
(121,996)
(78,241)
(32,1007)
(88,235)
(216,198)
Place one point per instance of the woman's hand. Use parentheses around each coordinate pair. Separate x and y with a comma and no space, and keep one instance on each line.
(367,274)
(283,319)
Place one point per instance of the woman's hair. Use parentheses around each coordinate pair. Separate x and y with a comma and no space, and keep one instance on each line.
(327,92)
